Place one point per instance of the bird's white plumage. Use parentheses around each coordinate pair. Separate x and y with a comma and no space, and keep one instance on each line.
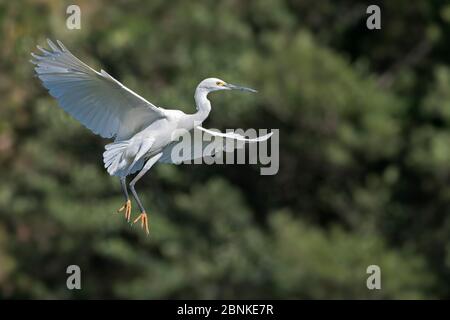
(142,130)
(96,99)
(205,144)
(236,136)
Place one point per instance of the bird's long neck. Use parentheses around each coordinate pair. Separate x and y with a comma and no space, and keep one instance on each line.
(203,105)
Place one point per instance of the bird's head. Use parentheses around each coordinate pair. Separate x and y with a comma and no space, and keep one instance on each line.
(214,84)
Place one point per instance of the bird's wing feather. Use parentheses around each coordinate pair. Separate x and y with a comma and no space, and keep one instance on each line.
(194,144)
(233,135)
(96,99)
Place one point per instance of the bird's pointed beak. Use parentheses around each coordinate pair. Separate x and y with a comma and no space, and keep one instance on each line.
(235,87)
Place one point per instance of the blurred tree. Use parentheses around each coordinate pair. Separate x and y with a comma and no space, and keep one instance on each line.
(364,158)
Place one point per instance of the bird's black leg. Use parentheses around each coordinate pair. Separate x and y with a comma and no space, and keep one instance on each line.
(133,190)
(127,205)
(143,215)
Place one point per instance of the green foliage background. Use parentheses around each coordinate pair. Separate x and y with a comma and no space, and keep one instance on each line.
(364,119)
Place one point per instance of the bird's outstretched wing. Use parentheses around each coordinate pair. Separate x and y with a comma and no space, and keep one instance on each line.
(235,136)
(200,142)
(96,99)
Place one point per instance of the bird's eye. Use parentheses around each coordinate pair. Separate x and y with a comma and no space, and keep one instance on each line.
(220,83)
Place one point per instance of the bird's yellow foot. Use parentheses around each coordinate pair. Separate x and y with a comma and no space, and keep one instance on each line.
(144,221)
(127,208)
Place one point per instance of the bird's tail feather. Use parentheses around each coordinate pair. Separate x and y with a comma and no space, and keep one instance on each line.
(113,157)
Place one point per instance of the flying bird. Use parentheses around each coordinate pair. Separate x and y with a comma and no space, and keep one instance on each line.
(143,133)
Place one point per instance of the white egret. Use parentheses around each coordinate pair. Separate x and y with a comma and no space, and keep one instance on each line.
(143,132)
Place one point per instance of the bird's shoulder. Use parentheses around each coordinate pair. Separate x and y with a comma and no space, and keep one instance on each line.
(174,114)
